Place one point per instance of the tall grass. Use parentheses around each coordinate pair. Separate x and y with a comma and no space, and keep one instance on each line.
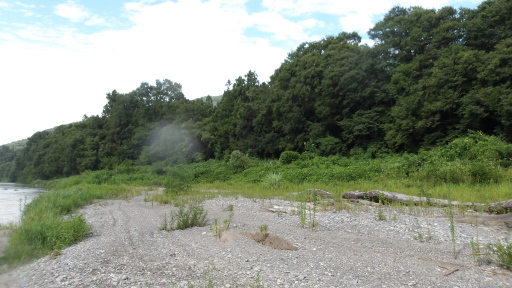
(48,223)
(470,169)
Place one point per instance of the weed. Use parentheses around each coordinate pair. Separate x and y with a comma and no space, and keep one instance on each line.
(218,229)
(189,215)
(452,228)
(165,224)
(423,238)
(258,283)
(380,210)
(272,180)
(312,212)
(502,254)
(239,161)
(380,214)
(263,229)
(302,214)
(288,157)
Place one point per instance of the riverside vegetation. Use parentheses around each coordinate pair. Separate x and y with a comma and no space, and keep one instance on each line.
(50,223)
(423,112)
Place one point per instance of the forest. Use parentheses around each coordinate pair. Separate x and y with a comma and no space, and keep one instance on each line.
(432,77)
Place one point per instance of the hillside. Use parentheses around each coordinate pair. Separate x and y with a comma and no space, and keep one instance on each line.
(432,77)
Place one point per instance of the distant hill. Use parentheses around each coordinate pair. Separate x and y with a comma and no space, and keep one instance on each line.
(17,145)
(20,144)
(216,99)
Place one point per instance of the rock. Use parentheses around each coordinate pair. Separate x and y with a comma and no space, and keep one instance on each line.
(317,192)
(283,209)
(487,220)
(378,196)
(354,195)
(501,207)
(364,202)
(320,192)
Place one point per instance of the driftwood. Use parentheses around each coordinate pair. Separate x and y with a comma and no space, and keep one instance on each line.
(501,207)
(393,197)
(317,192)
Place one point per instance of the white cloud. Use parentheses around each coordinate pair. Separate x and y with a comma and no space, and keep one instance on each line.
(55,75)
(71,11)
(25,5)
(356,22)
(282,28)
(95,20)
(67,73)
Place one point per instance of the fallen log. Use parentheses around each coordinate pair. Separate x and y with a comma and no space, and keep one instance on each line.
(379,196)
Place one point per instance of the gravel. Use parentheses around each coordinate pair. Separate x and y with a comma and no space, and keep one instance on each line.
(408,247)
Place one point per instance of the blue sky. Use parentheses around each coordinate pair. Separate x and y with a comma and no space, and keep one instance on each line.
(58,58)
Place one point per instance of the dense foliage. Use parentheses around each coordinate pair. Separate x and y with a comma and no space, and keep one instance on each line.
(432,76)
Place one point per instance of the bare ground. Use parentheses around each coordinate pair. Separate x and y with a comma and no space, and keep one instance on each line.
(347,249)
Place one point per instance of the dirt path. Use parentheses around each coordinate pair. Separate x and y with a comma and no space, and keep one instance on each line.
(347,249)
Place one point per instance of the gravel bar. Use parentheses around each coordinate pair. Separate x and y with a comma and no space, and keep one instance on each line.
(359,247)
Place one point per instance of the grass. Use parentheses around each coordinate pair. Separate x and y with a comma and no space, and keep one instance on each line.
(465,170)
(217,228)
(502,254)
(190,215)
(49,224)
(263,229)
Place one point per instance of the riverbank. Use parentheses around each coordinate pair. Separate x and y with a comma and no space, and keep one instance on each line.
(361,246)
(4,240)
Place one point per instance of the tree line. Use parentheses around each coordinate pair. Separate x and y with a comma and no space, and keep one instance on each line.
(431,77)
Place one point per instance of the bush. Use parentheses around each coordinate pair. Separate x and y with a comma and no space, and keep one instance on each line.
(191,215)
(179,180)
(272,180)
(288,157)
(503,254)
(239,160)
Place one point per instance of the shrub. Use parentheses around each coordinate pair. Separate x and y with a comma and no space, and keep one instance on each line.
(179,180)
(503,254)
(191,215)
(288,157)
(239,160)
(272,180)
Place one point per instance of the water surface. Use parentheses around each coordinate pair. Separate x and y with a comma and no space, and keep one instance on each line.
(13,198)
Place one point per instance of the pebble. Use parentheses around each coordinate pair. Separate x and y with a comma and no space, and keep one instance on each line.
(346,248)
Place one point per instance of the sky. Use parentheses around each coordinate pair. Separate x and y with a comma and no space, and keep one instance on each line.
(59,58)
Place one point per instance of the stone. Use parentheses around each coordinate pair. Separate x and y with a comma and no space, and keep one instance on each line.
(378,196)
(501,207)
(317,192)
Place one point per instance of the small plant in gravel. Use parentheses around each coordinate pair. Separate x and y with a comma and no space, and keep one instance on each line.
(216,228)
(312,213)
(304,210)
(380,214)
(165,224)
(423,238)
(302,214)
(258,283)
(263,229)
(502,254)
(190,215)
(452,229)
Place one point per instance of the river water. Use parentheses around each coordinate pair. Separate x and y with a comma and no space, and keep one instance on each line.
(13,198)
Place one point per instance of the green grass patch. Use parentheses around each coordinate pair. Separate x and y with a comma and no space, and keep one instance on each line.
(476,168)
(49,222)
